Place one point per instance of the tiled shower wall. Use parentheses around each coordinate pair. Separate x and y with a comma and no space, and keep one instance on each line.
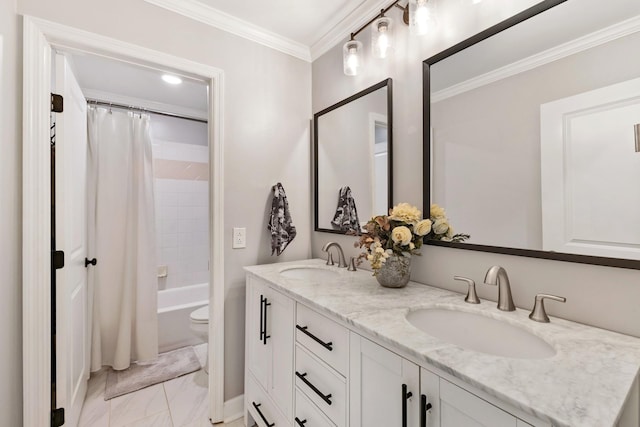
(182,217)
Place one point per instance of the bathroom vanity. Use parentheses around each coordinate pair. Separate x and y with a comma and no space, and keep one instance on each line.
(330,347)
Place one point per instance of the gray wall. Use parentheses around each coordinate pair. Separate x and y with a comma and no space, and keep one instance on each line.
(266,132)
(10,215)
(600,296)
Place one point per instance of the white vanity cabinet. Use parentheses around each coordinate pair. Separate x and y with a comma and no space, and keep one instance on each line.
(388,390)
(452,406)
(321,369)
(328,347)
(384,387)
(269,347)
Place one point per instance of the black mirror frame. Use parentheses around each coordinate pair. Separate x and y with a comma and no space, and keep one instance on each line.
(384,83)
(426,135)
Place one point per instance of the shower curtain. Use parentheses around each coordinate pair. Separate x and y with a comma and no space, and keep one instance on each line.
(123,285)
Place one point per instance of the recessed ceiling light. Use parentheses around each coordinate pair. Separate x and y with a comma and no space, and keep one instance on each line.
(172,80)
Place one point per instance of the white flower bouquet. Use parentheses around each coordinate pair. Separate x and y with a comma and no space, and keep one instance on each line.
(402,233)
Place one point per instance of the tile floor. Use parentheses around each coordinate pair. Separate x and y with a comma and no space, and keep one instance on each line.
(181,402)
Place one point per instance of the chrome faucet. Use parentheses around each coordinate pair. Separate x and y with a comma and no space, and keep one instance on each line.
(498,276)
(538,313)
(342,263)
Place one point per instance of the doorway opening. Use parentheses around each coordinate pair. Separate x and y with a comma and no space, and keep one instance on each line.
(41,39)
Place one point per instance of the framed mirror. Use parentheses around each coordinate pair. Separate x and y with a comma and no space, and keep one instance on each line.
(532,134)
(352,160)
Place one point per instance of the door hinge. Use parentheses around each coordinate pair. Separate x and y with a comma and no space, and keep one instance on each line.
(56,103)
(57,259)
(57,417)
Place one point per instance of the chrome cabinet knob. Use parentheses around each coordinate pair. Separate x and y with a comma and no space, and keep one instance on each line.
(472,296)
(538,313)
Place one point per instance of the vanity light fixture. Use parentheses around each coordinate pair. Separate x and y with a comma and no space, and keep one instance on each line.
(171,79)
(418,14)
(351,52)
(421,16)
(381,36)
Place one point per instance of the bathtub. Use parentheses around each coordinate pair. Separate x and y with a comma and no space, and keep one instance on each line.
(174,307)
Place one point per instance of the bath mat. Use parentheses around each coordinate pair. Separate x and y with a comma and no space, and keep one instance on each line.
(167,366)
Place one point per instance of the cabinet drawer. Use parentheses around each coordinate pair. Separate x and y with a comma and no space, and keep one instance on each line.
(323,337)
(307,414)
(261,407)
(322,386)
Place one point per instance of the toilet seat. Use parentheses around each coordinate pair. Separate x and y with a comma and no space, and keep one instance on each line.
(200,315)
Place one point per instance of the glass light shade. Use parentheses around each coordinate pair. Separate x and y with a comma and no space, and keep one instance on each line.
(351,57)
(422,16)
(381,37)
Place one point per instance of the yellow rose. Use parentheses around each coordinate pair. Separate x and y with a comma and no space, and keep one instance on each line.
(437,211)
(423,227)
(406,213)
(401,235)
(440,226)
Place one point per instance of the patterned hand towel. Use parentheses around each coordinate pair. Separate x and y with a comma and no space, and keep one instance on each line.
(280,225)
(346,217)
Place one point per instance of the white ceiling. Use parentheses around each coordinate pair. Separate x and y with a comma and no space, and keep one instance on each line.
(116,81)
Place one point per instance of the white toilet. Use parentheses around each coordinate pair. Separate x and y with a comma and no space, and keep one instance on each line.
(200,328)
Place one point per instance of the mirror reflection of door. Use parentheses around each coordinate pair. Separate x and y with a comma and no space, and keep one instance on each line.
(379,159)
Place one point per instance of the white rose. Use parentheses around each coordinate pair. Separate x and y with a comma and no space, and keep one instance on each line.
(401,235)
(406,213)
(423,227)
(437,211)
(440,226)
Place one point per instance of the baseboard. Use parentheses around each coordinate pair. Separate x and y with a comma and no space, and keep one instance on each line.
(234,408)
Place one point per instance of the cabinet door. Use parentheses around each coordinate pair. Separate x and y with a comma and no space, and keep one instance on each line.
(458,408)
(258,353)
(377,395)
(430,393)
(280,332)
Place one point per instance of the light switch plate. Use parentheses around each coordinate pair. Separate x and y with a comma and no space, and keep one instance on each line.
(239,238)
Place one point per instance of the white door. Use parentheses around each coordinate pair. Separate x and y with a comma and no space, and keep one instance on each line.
(589,171)
(376,391)
(72,343)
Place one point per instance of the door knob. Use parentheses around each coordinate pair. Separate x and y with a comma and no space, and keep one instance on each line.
(88,261)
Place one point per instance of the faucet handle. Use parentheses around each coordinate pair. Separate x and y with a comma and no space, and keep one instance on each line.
(330,259)
(352,264)
(472,296)
(538,313)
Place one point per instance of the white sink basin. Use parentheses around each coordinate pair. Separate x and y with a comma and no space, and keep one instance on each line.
(480,333)
(309,273)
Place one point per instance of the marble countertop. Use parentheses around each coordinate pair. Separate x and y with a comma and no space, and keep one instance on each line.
(585,384)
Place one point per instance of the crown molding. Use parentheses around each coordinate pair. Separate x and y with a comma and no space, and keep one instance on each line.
(338,33)
(208,15)
(580,44)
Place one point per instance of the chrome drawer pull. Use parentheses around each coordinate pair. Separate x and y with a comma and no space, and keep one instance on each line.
(326,398)
(327,345)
